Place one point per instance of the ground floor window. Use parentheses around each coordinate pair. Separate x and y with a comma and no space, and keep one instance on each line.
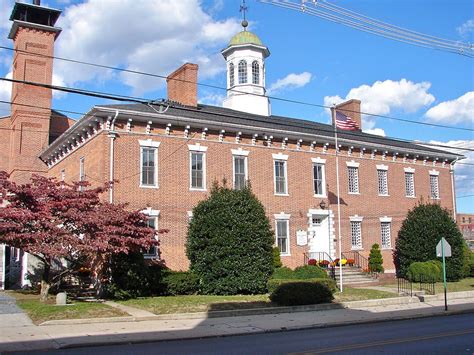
(282,236)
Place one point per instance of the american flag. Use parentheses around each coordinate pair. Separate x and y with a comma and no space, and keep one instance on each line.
(345,122)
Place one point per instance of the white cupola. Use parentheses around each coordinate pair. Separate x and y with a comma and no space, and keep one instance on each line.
(245,57)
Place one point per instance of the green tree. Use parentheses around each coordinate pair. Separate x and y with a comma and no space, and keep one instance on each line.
(375,259)
(230,243)
(421,231)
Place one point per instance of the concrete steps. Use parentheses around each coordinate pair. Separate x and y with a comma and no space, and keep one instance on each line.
(354,276)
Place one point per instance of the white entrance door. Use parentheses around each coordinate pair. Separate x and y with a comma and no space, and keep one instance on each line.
(319,232)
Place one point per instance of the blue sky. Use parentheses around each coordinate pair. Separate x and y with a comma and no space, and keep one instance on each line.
(311,60)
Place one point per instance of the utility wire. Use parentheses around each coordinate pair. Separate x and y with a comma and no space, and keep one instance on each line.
(368,25)
(289,124)
(233,90)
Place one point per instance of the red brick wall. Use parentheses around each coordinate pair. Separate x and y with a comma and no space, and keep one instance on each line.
(5,143)
(174,199)
(182,84)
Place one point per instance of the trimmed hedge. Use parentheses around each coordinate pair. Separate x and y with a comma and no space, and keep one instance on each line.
(300,273)
(273,284)
(301,292)
(425,271)
(180,283)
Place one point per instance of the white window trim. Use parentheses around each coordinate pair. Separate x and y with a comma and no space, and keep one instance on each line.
(153,214)
(409,170)
(319,161)
(280,156)
(150,212)
(283,217)
(240,152)
(245,156)
(204,169)
(385,219)
(352,164)
(190,215)
(359,219)
(155,148)
(356,218)
(382,167)
(149,143)
(285,160)
(197,148)
(434,172)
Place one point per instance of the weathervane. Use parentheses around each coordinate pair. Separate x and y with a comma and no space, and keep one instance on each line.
(244,8)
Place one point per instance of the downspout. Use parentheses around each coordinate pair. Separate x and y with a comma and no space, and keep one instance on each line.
(112,134)
(453,188)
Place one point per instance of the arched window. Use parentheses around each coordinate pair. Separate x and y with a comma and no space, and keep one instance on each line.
(255,73)
(242,72)
(231,74)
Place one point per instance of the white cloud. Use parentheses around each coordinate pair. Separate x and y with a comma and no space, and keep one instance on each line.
(291,81)
(376,131)
(463,173)
(212,99)
(466,28)
(454,111)
(382,97)
(150,36)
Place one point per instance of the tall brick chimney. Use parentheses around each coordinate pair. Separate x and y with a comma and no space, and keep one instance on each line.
(33,34)
(182,85)
(351,108)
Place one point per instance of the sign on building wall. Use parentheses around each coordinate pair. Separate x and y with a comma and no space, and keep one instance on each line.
(301,237)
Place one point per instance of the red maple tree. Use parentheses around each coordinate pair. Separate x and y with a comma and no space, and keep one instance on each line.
(67,223)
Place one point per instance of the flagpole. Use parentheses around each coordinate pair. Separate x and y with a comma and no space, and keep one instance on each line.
(333,112)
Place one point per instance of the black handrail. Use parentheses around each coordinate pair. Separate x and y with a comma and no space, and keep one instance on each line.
(426,284)
(360,261)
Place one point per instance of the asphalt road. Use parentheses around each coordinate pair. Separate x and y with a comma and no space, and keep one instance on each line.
(435,335)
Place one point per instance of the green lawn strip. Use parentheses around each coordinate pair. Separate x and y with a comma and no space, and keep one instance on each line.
(198,303)
(40,312)
(360,294)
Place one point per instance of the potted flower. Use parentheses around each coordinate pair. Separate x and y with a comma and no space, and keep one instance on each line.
(312,262)
(343,262)
(324,263)
(350,262)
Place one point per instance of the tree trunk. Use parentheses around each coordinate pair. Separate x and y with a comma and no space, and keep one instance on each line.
(45,283)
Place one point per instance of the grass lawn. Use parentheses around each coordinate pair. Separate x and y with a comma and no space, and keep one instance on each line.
(360,294)
(40,312)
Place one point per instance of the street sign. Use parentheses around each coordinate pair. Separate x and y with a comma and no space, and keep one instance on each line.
(443,249)
(446,246)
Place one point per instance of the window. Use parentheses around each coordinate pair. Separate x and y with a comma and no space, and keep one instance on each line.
(82,172)
(63,175)
(409,182)
(356,234)
(148,167)
(152,222)
(197,167)
(242,72)
(282,233)
(385,233)
(255,73)
(319,178)
(240,172)
(316,221)
(353,179)
(280,177)
(382,178)
(148,163)
(231,74)
(434,185)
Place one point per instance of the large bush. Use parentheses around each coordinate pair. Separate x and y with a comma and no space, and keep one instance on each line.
(375,259)
(301,292)
(300,273)
(425,271)
(179,283)
(273,284)
(230,243)
(421,231)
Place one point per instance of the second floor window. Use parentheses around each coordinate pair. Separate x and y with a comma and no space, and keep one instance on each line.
(148,169)
(410,184)
(197,170)
(280,177)
(82,172)
(318,179)
(255,73)
(434,187)
(240,173)
(242,68)
(231,74)
(353,179)
(382,178)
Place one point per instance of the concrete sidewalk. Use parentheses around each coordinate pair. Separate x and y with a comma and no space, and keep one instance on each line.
(73,334)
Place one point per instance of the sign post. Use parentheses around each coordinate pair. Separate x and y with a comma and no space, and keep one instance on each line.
(443,249)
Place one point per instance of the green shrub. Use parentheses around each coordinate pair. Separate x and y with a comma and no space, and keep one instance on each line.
(180,283)
(310,272)
(283,273)
(375,259)
(230,243)
(471,265)
(273,284)
(421,231)
(276,258)
(301,292)
(425,271)
(468,260)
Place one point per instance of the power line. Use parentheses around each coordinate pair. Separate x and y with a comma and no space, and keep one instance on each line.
(366,24)
(465,196)
(222,88)
(289,124)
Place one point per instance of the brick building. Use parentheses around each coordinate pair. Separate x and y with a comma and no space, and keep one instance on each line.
(165,156)
(465,222)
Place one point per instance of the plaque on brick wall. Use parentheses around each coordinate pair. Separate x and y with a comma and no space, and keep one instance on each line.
(301,237)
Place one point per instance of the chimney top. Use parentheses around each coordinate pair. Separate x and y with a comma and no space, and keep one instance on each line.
(182,84)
